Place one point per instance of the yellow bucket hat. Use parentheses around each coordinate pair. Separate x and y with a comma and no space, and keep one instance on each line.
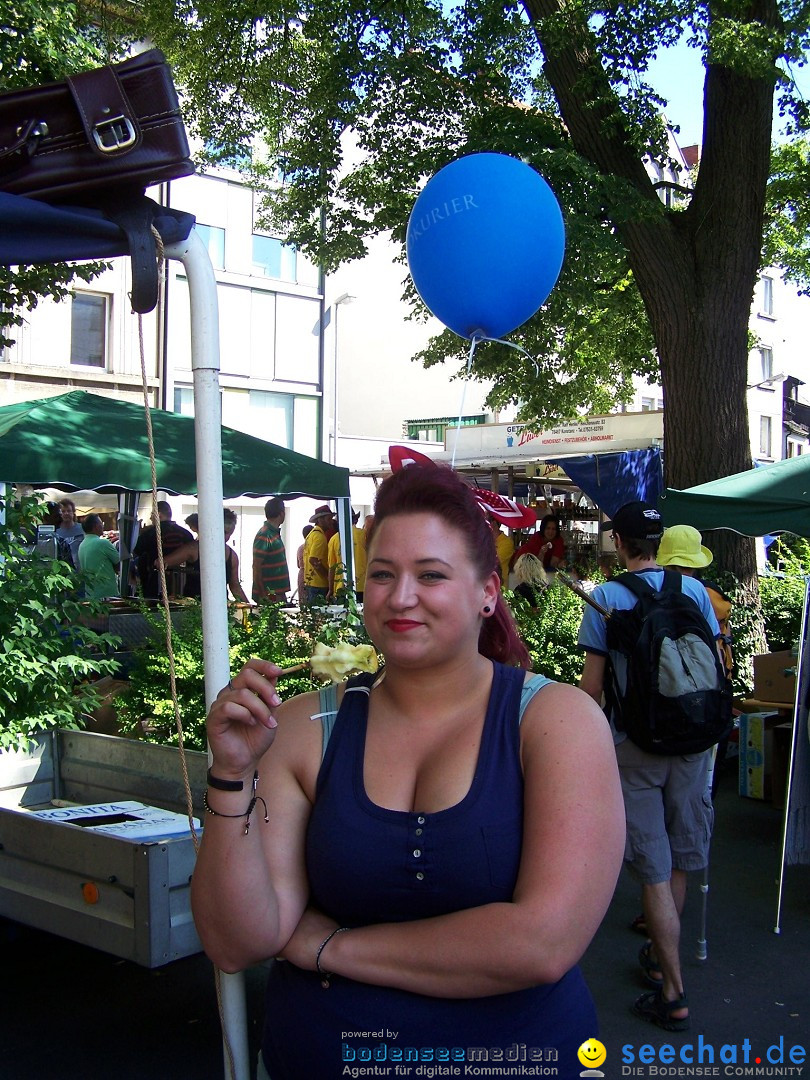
(680,546)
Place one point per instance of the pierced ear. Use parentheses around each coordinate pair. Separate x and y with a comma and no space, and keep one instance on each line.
(492,589)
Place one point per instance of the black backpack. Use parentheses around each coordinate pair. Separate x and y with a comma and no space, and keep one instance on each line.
(677,698)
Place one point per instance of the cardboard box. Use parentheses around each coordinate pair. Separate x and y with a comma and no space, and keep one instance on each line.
(756,754)
(775,677)
(125,818)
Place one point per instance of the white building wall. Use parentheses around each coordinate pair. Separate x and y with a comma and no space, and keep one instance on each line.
(379,384)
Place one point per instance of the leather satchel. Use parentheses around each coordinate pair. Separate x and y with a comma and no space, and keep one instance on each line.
(98,139)
(116,125)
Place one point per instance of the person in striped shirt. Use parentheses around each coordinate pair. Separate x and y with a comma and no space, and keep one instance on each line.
(271,577)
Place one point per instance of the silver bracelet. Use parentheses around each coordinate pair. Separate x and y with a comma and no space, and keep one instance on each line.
(326,975)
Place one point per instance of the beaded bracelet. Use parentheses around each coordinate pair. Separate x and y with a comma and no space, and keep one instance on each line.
(246,815)
(326,975)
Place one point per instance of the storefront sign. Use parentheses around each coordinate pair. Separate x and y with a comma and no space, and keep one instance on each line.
(519,442)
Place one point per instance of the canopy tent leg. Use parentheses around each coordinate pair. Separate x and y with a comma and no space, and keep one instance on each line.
(802,662)
(344,515)
(127,522)
(208,443)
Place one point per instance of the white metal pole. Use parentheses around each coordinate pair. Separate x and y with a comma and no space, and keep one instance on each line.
(801,662)
(208,443)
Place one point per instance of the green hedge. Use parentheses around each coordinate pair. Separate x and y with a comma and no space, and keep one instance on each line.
(49,655)
(146,709)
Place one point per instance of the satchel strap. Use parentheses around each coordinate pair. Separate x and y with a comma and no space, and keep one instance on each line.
(134,215)
(109,121)
(27,139)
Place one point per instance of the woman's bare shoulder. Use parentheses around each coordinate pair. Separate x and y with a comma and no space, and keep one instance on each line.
(562,708)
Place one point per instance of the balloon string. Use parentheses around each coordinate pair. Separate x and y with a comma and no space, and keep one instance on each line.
(473,342)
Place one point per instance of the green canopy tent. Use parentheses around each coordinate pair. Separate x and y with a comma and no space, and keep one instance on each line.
(770,499)
(81,441)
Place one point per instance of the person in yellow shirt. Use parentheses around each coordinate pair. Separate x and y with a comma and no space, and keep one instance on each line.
(504,549)
(316,547)
(335,558)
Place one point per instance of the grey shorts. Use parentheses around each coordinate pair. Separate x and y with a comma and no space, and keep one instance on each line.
(668,806)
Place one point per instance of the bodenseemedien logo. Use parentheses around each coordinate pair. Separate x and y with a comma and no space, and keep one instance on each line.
(592,1055)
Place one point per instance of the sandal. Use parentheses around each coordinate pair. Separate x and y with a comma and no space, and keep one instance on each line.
(653,974)
(639,924)
(652,1008)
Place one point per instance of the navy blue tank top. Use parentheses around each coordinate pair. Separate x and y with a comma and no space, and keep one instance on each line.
(367,864)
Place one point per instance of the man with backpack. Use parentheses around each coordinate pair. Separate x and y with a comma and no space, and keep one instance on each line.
(654,660)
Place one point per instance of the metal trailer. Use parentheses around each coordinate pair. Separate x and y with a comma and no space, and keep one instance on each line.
(127,897)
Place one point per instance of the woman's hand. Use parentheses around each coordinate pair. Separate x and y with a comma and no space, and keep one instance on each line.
(302,948)
(240,725)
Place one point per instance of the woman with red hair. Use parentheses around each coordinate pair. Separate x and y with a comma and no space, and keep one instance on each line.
(437,855)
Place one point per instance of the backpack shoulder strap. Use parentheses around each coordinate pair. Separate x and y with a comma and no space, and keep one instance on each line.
(636,584)
(673,581)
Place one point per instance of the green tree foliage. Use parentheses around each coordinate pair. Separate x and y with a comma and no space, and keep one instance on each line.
(42,41)
(783,591)
(49,655)
(787,224)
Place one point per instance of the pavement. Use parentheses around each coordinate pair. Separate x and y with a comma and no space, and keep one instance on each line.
(70,1012)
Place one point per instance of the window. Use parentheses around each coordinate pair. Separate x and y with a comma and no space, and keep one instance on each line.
(648,404)
(765,424)
(274,259)
(767,296)
(214,240)
(285,419)
(184,400)
(297,356)
(273,416)
(89,319)
(766,363)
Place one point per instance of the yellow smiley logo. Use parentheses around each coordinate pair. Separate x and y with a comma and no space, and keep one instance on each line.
(592,1054)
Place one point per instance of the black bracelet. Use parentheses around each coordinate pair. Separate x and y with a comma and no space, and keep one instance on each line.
(246,814)
(227,785)
(326,975)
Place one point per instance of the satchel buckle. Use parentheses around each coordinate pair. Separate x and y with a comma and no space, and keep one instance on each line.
(115,134)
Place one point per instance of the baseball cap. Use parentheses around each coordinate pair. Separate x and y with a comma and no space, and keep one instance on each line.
(681,546)
(637,521)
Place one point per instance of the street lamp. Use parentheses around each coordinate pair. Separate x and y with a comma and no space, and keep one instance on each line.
(344,298)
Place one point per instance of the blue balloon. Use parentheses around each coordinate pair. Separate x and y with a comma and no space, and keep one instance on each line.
(485,244)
